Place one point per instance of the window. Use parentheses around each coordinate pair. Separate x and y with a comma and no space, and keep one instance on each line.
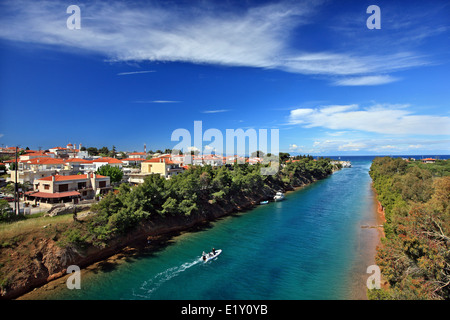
(63,187)
(102,184)
(81,185)
(46,187)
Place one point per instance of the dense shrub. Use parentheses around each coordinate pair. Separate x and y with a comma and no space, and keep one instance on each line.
(415,255)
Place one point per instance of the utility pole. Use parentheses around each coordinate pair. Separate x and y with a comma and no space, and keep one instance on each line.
(16,193)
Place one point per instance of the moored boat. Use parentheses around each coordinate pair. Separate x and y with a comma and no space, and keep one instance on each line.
(279,196)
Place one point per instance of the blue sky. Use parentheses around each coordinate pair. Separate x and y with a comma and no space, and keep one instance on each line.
(136,71)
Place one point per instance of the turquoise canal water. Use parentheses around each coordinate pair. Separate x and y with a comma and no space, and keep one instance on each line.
(310,246)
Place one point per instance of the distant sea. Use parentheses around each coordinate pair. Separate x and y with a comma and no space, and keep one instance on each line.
(370,158)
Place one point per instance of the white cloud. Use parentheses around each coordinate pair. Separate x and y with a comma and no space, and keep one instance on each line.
(165,101)
(365,80)
(157,101)
(377,145)
(256,37)
(385,119)
(325,63)
(295,148)
(388,147)
(337,133)
(215,111)
(352,146)
(134,72)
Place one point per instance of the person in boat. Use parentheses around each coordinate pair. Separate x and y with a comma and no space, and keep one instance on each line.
(204,256)
(213,251)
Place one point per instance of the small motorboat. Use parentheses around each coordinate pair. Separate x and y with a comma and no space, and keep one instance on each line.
(279,196)
(264,202)
(209,256)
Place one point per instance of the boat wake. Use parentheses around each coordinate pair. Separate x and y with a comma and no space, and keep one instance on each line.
(151,285)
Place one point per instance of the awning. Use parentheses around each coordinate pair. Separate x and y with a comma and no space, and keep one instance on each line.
(55,195)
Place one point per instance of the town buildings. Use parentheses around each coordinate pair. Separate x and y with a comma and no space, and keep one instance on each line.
(62,174)
(63,188)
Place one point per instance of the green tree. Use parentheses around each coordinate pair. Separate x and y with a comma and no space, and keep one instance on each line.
(92,151)
(112,153)
(113,172)
(188,206)
(170,206)
(222,179)
(12,166)
(104,151)
(258,154)
(284,156)
(6,213)
(414,255)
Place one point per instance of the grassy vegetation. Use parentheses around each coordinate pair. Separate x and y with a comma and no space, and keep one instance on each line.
(33,224)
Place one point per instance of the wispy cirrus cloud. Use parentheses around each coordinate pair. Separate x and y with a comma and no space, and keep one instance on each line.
(216,111)
(365,80)
(165,101)
(156,101)
(258,36)
(134,72)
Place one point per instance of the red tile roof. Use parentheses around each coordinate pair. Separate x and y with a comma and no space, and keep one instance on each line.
(133,159)
(42,161)
(108,160)
(160,159)
(55,195)
(71,177)
(34,151)
(75,160)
